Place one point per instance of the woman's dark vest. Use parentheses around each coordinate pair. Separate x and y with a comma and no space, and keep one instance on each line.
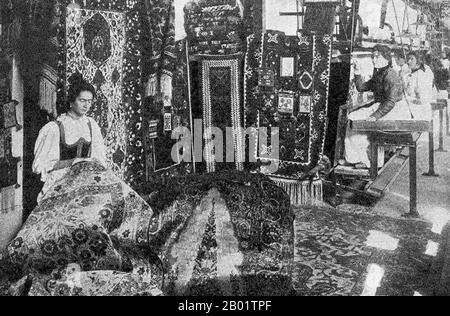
(81,149)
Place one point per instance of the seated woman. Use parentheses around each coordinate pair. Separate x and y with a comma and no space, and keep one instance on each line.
(72,138)
(389,105)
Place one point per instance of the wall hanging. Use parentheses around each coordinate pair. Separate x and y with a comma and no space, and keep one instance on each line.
(101,41)
(286,84)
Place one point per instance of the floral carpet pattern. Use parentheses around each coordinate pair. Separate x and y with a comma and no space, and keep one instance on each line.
(332,256)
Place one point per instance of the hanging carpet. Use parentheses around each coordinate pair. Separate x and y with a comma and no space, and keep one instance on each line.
(221,104)
(101,43)
(286,87)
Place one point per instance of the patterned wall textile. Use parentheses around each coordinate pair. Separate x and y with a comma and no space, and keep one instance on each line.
(214,28)
(253,16)
(221,104)
(159,48)
(295,99)
(102,42)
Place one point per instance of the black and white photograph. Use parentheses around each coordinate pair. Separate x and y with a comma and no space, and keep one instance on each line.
(231,149)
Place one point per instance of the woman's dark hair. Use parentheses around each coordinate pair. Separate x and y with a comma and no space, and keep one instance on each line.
(78,85)
(399,53)
(385,51)
(419,57)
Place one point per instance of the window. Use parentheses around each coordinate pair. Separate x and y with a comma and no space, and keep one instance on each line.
(281,15)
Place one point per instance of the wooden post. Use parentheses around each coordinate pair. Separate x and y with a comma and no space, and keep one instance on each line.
(431,172)
(413,181)
(441,131)
(448,121)
(374,157)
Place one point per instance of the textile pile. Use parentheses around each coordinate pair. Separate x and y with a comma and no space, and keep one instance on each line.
(229,234)
(247,245)
(214,27)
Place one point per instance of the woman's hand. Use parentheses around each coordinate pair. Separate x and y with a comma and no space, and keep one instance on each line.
(372,119)
(356,68)
(81,160)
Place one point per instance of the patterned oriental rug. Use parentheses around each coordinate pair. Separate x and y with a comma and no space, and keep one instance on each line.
(334,253)
(286,87)
(101,42)
(218,234)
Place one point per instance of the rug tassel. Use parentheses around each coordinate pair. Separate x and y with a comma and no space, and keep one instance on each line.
(151,87)
(301,193)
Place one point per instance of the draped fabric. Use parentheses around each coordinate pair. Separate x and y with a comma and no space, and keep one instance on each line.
(111,60)
(237,227)
(229,233)
(286,84)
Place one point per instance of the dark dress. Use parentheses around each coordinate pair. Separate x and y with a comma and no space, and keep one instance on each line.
(81,149)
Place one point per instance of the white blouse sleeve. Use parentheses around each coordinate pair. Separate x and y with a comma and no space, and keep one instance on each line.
(46,151)
(98,144)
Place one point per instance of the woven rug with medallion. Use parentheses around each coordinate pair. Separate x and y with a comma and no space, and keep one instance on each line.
(341,253)
(102,43)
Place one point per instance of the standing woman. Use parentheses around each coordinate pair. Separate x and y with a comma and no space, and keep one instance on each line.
(419,87)
(72,138)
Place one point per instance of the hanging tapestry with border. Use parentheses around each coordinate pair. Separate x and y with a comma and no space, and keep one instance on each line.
(286,87)
(222,108)
(102,43)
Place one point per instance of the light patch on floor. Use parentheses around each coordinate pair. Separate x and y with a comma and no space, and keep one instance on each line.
(373,281)
(382,241)
(439,217)
(432,249)
(417,294)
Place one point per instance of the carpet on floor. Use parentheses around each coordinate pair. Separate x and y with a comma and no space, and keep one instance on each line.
(338,251)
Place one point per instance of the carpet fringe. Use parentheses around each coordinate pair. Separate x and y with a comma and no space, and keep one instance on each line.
(301,192)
